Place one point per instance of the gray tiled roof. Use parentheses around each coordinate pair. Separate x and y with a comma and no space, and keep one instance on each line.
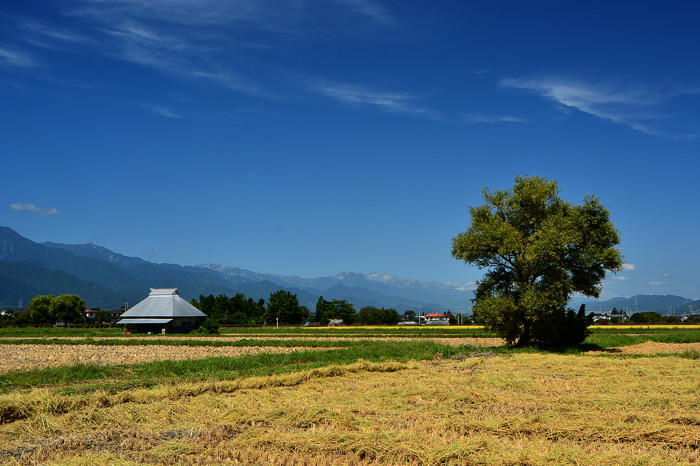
(163,303)
(145,321)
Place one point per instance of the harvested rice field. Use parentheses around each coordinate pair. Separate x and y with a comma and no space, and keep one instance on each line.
(34,356)
(652,347)
(454,341)
(380,401)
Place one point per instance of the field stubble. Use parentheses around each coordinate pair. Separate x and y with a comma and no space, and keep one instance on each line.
(501,409)
(36,356)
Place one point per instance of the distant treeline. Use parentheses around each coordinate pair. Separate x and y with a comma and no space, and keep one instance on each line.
(283,307)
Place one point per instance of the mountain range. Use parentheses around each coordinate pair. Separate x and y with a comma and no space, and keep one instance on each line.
(107,279)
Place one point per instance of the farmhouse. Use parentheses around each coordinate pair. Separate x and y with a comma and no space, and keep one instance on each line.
(437,319)
(163,311)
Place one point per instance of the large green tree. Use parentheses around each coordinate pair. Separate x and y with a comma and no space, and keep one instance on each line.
(67,308)
(371,315)
(237,310)
(539,250)
(40,307)
(285,306)
(336,309)
(62,308)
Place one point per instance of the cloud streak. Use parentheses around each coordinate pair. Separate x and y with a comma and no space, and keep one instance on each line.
(638,108)
(389,101)
(474,118)
(162,110)
(15,58)
(144,33)
(33,208)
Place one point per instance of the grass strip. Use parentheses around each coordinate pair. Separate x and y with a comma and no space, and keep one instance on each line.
(124,377)
(613,338)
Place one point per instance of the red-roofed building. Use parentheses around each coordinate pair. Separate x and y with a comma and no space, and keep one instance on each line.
(437,319)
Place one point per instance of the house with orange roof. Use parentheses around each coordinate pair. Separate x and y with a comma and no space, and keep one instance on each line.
(437,319)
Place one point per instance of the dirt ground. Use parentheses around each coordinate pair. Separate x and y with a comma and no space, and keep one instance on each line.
(34,356)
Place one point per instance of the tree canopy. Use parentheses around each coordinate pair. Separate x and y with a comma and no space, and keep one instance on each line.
(371,315)
(62,308)
(237,310)
(336,309)
(284,306)
(539,250)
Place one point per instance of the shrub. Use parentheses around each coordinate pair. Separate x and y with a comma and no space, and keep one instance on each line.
(562,327)
(209,326)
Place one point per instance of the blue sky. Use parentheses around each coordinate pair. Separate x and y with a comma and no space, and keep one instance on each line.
(315,137)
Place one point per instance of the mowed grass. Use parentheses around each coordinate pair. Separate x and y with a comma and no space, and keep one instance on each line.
(405,400)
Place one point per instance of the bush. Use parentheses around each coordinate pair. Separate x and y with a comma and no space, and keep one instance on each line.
(370,315)
(562,327)
(209,326)
(646,318)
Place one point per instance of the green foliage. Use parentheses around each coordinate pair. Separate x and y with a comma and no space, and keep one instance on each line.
(209,326)
(539,250)
(646,318)
(232,311)
(67,308)
(62,308)
(39,309)
(370,315)
(561,327)
(284,306)
(336,309)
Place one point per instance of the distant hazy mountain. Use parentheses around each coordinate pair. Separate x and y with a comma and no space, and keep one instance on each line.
(24,280)
(371,289)
(663,304)
(108,280)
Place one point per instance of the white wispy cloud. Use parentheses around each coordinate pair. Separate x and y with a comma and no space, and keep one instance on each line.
(192,39)
(656,283)
(162,111)
(208,41)
(33,208)
(637,107)
(484,118)
(620,278)
(16,58)
(389,101)
(627,266)
(38,30)
(372,10)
